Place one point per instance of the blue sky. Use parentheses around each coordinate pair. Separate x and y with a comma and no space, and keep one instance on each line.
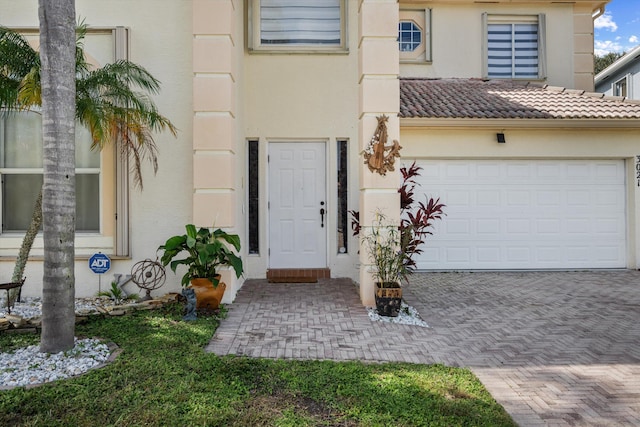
(618,30)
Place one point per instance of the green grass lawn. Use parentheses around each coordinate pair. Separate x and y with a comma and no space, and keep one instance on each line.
(163,378)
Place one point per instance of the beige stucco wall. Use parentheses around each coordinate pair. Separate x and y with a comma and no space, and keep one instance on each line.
(161,42)
(219,95)
(304,97)
(457,34)
(535,142)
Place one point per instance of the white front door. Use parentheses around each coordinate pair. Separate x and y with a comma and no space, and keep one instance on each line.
(297,205)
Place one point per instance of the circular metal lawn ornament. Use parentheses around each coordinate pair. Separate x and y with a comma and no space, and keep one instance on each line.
(148,275)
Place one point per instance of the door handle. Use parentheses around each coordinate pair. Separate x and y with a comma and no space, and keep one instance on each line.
(322,217)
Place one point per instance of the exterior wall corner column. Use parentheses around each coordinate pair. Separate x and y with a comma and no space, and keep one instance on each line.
(379,94)
(214,109)
(583,49)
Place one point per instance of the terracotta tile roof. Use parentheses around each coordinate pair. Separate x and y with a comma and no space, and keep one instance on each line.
(498,99)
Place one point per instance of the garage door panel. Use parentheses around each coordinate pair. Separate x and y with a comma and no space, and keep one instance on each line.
(607,173)
(604,198)
(459,199)
(488,170)
(608,227)
(578,198)
(578,254)
(456,254)
(488,226)
(518,255)
(526,214)
(458,171)
(518,198)
(489,254)
(488,198)
(548,226)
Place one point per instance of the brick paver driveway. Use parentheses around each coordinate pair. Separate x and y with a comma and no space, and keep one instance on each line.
(554,348)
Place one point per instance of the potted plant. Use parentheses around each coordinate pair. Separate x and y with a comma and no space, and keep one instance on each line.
(416,221)
(382,242)
(206,250)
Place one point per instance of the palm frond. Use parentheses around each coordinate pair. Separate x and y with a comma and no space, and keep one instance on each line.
(17,60)
(82,66)
(113,102)
(8,93)
(30,91)
(17,57)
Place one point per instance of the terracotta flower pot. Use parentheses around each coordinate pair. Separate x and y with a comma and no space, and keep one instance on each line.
(206,295)
(388,299)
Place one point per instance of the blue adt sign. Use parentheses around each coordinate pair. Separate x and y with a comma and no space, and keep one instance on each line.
(99,263)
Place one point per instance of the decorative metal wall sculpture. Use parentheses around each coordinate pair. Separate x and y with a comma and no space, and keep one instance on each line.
(379,156)
(148,275)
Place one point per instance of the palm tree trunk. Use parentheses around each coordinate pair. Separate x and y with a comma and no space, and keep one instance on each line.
(27,243)
(57,55)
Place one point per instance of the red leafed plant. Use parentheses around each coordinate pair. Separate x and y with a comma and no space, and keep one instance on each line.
(416,218)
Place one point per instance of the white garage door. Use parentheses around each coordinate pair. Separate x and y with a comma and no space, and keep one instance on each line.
(533,214)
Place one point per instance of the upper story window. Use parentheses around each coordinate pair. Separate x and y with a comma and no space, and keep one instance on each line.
(514,46)
(297,25)
(621,87)
(414,35)
(409,36)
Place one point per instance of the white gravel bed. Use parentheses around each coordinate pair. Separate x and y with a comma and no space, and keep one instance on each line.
(27,366)
(407,316)
(32,307)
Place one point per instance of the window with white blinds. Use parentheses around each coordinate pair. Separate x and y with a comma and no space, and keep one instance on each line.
(514,47)
(298,23)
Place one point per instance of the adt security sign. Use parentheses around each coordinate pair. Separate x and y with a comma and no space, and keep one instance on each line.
(99,263)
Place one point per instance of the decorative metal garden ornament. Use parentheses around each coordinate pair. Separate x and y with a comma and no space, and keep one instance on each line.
(148,275)
(379,156)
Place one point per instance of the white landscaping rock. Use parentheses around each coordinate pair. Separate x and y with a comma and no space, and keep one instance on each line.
(407,316)
(27,366)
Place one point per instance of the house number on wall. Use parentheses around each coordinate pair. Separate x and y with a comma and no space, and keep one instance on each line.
(638,170)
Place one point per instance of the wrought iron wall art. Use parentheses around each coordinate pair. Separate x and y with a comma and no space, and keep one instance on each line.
(378,156)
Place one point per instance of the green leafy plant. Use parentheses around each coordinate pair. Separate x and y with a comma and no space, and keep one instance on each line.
(117,294)
(206,251)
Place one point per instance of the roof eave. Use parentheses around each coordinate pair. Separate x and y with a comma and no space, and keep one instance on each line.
(617,66)
(424,122)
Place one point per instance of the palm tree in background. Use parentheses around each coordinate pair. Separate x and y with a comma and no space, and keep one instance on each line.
(112,102)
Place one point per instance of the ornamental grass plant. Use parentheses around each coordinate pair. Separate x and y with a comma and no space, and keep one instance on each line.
(382,242)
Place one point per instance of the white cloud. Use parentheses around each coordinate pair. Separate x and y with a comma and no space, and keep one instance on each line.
(605,22)
(603,47)
(633,39)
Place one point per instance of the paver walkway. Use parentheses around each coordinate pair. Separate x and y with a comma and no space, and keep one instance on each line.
(554,348)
